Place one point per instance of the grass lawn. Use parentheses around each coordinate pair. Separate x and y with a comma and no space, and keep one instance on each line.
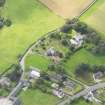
(50,43)
(36,97)
(95,17)
(37,61)
(83,56)
(80,102)
(30,21)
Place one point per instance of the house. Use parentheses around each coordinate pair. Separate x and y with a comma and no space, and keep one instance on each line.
(73,42)
(55,86)
(88,97)
(34,73)
(78,37)
(53,53)
(77,40)
(59,93)
(56,77)
(98,75)
(69,84)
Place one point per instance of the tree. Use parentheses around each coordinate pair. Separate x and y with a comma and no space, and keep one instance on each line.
(45,76)
(55,35)
(64,42)
(99,49)
(73,21)
(8,22)
(51,67)
(66,28)
(89,38)
(68,54)
(65,39)
(40,85)
(15,74)
(83,70)
(2,2)
(98,68)
(81,27)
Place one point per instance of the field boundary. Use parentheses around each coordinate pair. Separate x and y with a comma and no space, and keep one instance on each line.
(86,9)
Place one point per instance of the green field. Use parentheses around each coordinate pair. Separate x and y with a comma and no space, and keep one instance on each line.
(37,61)
(80,102)
(30,21)
(95,17)
(35,97)
(83,56)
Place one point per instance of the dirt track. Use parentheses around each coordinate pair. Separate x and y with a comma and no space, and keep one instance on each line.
(67,8)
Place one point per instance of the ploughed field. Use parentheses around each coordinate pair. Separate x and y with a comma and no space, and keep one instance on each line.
(30,20)
(67,8)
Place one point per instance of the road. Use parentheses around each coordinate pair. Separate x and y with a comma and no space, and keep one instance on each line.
(82,93)
(16,90)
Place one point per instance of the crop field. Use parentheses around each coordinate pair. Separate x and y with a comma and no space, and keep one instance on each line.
(95,17)
(30,20)
(67,8)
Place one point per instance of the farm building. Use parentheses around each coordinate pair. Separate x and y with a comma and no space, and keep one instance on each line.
(34,74)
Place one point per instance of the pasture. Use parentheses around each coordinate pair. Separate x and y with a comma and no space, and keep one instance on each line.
(67,8)
(95,17)
(83,56)
(36,97)
(30,20)
(37,61)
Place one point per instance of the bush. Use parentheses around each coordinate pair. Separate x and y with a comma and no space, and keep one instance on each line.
(8,22)
(66,28)
(55,35)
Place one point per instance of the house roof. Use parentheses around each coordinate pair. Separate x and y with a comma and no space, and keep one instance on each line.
(5,101)
(34,73)
(73,42)
(98,74)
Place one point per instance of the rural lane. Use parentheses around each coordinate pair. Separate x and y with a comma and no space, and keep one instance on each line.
(82,93)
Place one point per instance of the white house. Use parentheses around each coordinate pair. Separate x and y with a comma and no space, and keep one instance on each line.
(73,42)
(77,40)
(59,93)
(34,74)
